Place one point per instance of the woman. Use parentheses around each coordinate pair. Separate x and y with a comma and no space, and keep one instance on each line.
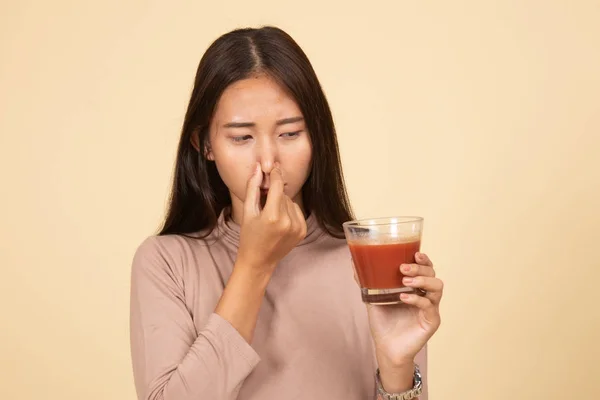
(247,292)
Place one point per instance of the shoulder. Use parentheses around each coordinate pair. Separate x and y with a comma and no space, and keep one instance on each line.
(166,253)
(158,248)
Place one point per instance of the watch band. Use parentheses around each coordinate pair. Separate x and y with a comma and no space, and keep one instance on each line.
(409,394)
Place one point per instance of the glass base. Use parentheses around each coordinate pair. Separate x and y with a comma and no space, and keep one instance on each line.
(386,296)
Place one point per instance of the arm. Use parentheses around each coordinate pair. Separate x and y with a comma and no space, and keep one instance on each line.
(171,361)
(402,332)
(399,381)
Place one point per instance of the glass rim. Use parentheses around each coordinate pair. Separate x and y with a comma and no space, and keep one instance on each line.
(379,221)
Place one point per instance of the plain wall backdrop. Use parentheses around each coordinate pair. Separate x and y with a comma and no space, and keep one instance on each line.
(481,116)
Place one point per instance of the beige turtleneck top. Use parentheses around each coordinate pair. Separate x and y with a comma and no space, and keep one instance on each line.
(312,337)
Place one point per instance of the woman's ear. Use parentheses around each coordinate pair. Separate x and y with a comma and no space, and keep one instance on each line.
(195,139)
(208,154)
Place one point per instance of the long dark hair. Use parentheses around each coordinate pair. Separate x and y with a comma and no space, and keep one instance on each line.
(198,194)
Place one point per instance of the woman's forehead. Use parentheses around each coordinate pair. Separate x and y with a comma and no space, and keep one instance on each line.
(254,99)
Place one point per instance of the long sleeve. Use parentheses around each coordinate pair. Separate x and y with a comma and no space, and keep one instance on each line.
(171,360)
(421,360)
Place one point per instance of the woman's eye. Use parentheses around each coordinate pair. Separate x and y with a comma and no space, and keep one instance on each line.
(290,135)
(241,139)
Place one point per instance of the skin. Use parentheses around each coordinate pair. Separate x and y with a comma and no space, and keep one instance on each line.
(262,150)
(256,121)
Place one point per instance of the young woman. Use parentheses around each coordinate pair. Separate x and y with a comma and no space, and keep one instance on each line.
(248,292)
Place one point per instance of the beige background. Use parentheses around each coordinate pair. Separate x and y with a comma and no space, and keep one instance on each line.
(484,117)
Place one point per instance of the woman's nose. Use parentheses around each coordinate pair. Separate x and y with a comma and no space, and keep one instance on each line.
(267,156)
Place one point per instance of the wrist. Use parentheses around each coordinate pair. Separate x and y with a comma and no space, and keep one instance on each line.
(259,275)
(399,394)
(241,299)
(397,379)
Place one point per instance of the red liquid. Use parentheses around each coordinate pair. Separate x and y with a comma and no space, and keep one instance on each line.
(378,265)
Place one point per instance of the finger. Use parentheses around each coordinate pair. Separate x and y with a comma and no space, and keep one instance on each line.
(274,203)
(415,300)
(300,218)
(435,297)
(430,284)
(252,200)
(423,259)
(290,211)
(286,207)
(433,287)
(417,270)
(430,311)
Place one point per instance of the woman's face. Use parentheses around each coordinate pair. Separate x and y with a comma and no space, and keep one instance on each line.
(257,121)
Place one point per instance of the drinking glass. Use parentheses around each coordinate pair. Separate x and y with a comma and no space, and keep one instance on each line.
(378,247)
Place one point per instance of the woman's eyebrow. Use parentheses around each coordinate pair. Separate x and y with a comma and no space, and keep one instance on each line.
(289,120)
(284,121)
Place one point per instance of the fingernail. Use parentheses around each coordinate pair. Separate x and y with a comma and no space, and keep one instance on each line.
(407,280)
(404,296)
(406,268)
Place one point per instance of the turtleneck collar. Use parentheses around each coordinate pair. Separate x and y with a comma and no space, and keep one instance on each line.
(230,230)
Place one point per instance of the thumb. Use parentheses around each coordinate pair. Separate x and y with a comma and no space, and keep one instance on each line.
(252,200)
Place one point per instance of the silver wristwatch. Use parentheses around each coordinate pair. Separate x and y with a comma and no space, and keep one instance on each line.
(408,395)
